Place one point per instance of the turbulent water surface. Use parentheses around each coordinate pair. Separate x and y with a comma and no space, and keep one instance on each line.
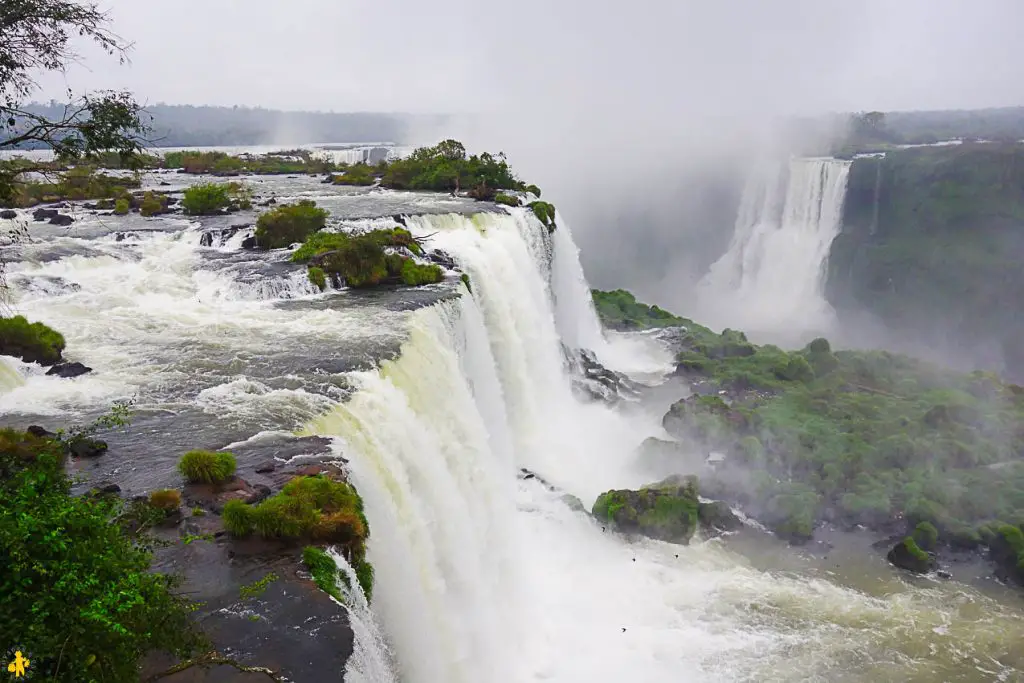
(437,397)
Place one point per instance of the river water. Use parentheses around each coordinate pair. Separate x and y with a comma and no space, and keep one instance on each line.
(437,396)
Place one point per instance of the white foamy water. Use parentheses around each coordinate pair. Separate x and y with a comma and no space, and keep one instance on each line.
(480,576)
(772,277)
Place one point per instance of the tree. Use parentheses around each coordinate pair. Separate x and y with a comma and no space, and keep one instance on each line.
(34,37)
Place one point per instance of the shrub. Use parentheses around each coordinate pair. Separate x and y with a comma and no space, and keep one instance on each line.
(288,224)
(165,499)
(84,606)
(533,189)
(545,213)
(356,174)
(414,274)
(207,467)
(317,277)
(152,204)
(206,199)
(507,199)
(122,207)
(465,280)
(32,342)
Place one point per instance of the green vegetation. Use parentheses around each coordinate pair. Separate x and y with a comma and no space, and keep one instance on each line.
(75,584)
(314,508)
(207,467)
(361,259)
(930,246)
(533,189)
(465,280)
(288,224)
(257,587)
(356,174)
(165,499)
(206,199)
(545,213)
(325,572)
(666,510)
(619,310)
(152,204)
(78,183)
(296,161)
(445,168)
(507,199)
(122,207)
(317,277)
(862,437)
(415,274)
(32,342)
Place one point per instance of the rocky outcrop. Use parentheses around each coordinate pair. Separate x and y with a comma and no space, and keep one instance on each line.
(666,511)
(69,370)
(61,219)
(40,215)
(591,380)
(8,214)
(716,517)
(907,555)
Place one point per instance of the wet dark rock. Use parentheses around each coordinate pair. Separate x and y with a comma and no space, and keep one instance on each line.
(62,219)
(40,432)
(105,488)
(943,574)
(69,370)
(594,381)
(269,202)
(249,243)
(87,448)
(717,517)
(8,214)
(398,218)
(441,258)
(164,183)
(907,555)
(526,475)
(266,467)
(44,214)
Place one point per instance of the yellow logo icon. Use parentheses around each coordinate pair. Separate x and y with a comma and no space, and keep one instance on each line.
(18,666)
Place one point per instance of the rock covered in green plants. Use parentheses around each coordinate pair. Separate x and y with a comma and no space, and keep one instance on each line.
(507,199)
(153,204)
(206,199)
(31,342)
(317,277)
(908,555)
(545,213)
(122,206)
(666,511)
(708,419)
(290,223)
(1006,547)
(619,310)
(368,259)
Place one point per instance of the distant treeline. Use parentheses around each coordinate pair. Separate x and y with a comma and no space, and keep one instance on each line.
(189,126)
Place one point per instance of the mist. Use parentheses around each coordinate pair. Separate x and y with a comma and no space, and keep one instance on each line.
(637,120)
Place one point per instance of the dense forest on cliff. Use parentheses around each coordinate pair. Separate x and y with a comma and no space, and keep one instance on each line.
(186,125)
(931,244)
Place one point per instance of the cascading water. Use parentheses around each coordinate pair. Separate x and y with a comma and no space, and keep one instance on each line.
(480,575)
(771,278)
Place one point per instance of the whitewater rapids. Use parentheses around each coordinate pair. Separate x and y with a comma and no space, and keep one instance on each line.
(480,575)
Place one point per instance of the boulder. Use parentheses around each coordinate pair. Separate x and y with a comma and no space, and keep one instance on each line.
(40,432)
(87,448)
(9,214)
(105,488)
(249,242)
(907,555)
(44,214)
(717,517)
(709,419)
(266,467)
(442,259)
(61,219)
(68,370)
(666,511)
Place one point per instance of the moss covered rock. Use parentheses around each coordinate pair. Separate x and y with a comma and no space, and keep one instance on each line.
(717,517)
(708,419)
(31,342)
(666,510)
(908,555)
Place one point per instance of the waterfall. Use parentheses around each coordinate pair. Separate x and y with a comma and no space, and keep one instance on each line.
(771,279)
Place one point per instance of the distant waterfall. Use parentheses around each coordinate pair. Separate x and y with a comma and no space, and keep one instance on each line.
(772,277)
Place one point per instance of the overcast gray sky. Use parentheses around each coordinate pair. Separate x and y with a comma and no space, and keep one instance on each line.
(720,56)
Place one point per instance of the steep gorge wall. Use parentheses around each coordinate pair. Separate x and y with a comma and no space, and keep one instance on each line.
(931,245)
